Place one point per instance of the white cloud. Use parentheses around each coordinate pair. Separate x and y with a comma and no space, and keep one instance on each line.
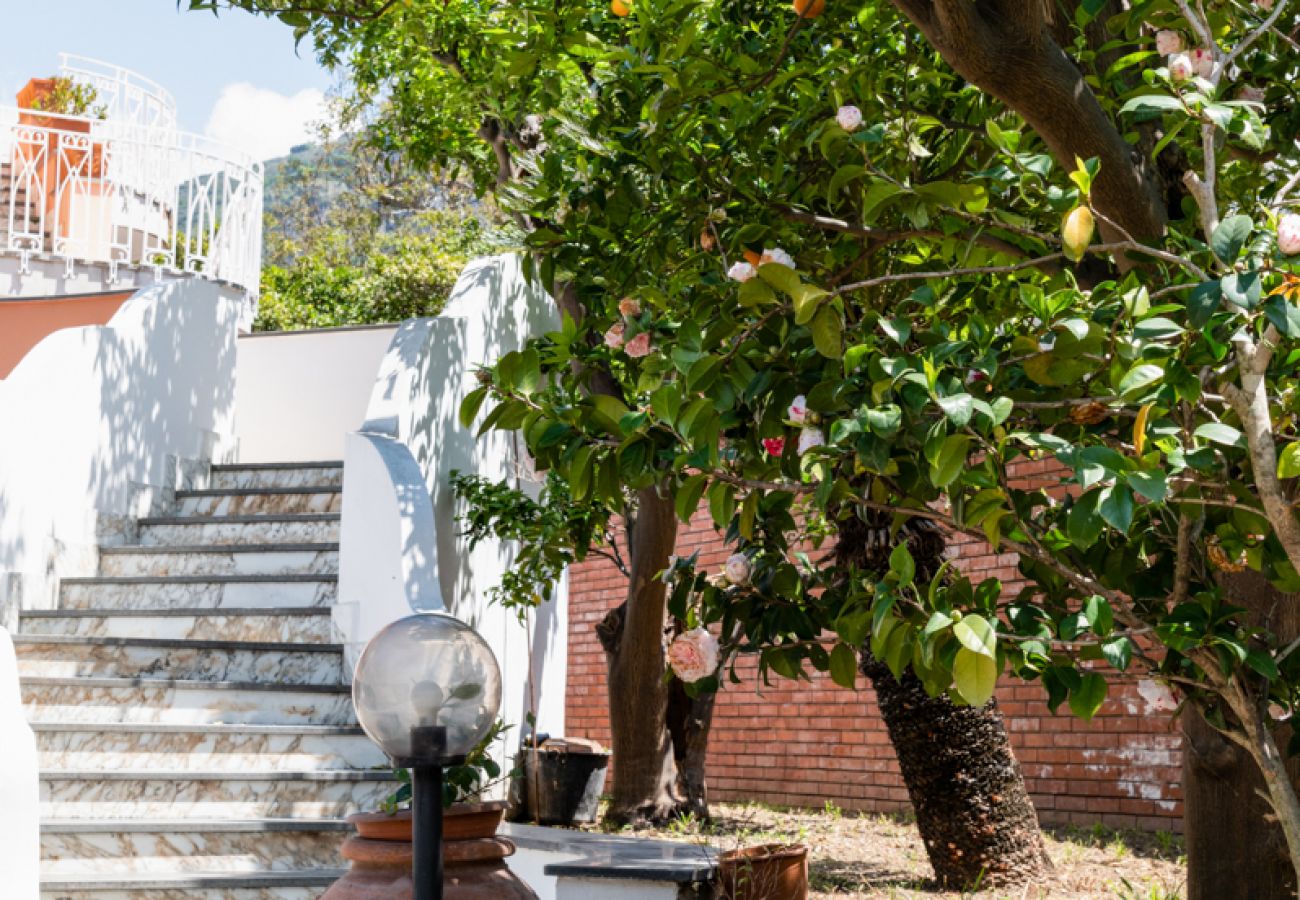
(262,122)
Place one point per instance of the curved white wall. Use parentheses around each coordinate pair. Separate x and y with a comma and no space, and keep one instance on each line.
(412,431)
(102,422)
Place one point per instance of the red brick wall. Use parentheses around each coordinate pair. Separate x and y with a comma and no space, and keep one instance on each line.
(802,745)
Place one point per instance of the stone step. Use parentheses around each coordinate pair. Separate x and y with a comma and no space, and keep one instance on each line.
(259,501)
(307,884)
(180,702)
(228,749)
(299,528)
(276,663)
(306,624)
(265,475)
(81,848)
(189,591)
(157,793)
(263,559)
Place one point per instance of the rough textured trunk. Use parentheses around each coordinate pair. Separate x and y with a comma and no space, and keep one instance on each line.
(642,764)
(1235,848)
(689,721)
(972,809)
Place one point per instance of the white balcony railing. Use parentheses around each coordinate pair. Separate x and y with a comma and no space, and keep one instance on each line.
(127,98)
(122,191)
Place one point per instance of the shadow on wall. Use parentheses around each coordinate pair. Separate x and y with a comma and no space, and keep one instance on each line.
(104,422)
(431,366)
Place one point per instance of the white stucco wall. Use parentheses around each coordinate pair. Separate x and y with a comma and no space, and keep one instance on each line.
(298,393)
(101,423)
(412,426)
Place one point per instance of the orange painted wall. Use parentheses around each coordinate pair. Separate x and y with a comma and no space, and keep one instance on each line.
(23,323)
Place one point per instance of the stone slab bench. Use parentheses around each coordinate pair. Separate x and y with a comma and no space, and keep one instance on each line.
(561,864)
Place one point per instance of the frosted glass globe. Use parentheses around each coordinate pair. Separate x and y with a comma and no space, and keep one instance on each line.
(427,687)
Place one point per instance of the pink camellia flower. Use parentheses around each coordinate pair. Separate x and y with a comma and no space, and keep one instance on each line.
(639,346)
(1288,234)
(798,411)
(1168,42)
(738,568)
(849,117)
(778,256)
(1203,62)
(1180,67)
(1158,697)
(809,438)
(741,271)
(693,655)
(774,446)
(1266,5)
(614,337)
(629,307)
(975,376)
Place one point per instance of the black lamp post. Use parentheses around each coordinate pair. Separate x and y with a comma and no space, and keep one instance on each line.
(427,689)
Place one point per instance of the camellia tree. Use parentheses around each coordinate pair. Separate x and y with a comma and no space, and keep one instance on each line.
(841,276)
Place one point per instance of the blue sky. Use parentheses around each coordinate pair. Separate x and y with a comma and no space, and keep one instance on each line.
(235,77)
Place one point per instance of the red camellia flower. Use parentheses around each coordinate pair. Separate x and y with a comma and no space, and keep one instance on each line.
(774,446)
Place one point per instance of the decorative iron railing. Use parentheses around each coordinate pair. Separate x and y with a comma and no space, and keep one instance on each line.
(121,191)
(127,98)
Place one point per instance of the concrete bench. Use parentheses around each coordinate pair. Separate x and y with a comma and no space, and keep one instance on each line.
(560,864)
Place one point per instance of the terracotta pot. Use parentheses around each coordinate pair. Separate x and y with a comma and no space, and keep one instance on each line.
(473,857)
(766,872)
(464,821)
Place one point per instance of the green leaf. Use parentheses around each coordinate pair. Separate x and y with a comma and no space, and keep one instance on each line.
(975,676)
(1149,103)
(902,564)
(938,622)
(1284,316)
(844,666)
(1116,506)
(688,496)
(976,635)
(783,278)
(1088,697)
(826,330)
(1221,434)
(807,298)
(1288,463)
(1262,662)
(1153,486)
(950,460)
(1244,289)
(1118,651)
(1157,329)
(957,408)
(609,411)
(470,406)
(1100,618)
(885,420)
(756,292)
(1140,377)
(1230,237)
(1202,303)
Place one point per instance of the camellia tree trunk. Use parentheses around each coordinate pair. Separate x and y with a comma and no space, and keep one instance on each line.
(642,764)
(972,809)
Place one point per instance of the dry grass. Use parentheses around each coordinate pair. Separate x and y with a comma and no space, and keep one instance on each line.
(877,856)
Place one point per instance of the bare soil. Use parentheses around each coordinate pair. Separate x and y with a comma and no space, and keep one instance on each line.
(878,856)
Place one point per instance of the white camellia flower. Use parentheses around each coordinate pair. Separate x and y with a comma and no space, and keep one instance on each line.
(798,411)
(1288,234)
(1168,42)
(741,271)
(776,255)
(1157,696)
(1203,62)
(693,655)
(1180,67)
(738,568)
(809,438)
(849,117)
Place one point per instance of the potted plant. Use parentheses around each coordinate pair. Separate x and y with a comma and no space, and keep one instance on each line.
(473,856)
(764,872)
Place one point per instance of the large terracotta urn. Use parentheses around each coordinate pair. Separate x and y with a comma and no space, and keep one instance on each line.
(473,857)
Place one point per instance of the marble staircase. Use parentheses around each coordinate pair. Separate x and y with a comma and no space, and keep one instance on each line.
(196,736)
